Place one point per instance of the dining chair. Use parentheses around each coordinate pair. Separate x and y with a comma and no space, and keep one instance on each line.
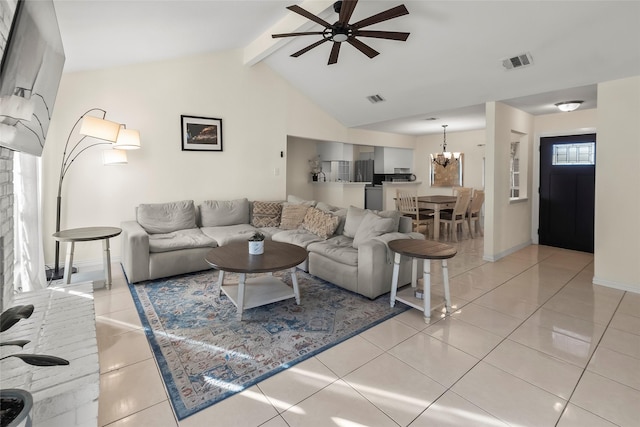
(456,190)
(475,206)
(458,216)
(407,204)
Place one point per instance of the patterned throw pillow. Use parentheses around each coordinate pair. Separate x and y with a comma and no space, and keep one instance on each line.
(322,224)
(266,214)
(292,216)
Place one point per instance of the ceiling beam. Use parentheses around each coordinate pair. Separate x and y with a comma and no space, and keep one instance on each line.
(264,45)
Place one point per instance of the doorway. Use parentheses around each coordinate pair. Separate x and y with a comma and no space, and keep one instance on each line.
(567,191)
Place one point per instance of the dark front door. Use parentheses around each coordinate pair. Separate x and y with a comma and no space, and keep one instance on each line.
(567,191)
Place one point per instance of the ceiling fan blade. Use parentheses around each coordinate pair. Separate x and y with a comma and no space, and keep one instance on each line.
(394,12)
(308,48)
(300,11)
(389,35)
(346,10)
(308,33)
(367,50)
(335,50)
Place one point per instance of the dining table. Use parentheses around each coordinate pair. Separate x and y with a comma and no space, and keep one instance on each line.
(437,203)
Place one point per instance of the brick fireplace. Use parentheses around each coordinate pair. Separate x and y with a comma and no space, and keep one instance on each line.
(6,225)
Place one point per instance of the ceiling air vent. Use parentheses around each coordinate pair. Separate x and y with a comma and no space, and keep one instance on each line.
(519,61)
(374,99)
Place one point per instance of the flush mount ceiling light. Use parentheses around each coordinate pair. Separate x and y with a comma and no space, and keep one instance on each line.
(569,105)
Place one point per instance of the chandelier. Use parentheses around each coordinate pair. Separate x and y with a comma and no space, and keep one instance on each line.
(445,158)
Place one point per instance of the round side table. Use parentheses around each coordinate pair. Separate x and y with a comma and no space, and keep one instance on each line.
(88,234)
(427,250)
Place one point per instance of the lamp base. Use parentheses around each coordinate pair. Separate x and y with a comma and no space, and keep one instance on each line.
(52,275)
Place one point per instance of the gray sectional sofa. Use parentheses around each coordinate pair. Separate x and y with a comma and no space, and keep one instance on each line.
(347,246)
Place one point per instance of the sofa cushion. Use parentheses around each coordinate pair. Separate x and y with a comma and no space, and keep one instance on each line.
(161,218)
(395,215)
(322,224)
(216,213)
(266,214)
(352,222)
(372,226)
(356,215)
(180,239)
(229,233)
(339,212)
(337,248)
(292,216)
(298,237)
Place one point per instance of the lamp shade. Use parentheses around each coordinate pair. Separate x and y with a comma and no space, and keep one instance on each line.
(96,127)
(114,157)
(128,139)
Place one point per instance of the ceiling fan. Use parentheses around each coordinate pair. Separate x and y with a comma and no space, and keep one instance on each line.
(342,31)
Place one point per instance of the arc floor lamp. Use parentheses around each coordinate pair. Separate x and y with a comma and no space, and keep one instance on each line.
(110,133)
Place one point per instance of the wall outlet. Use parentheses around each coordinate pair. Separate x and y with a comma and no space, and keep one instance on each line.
(276,171)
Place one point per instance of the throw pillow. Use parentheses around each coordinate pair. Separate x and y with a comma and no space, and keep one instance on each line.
(372,226)
(322,224)
(161,218)
(354,218)
(266,214)
(292,216)
(218,213)
(395,215)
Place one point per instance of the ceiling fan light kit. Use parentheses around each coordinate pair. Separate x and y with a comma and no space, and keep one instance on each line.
(342,31)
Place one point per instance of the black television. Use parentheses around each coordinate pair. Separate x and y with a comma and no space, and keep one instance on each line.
(30,72)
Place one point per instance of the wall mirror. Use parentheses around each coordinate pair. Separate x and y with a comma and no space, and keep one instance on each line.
(446,176)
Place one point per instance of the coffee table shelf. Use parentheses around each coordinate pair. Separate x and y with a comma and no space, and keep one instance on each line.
(257,291)
(260,291)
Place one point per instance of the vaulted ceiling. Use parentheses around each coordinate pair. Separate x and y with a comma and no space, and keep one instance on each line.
(451,64)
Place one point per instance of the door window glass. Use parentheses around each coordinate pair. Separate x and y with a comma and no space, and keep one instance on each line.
(583,153)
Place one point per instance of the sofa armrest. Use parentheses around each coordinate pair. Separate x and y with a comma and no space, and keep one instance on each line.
(135,251)
(375,264)
(372,269)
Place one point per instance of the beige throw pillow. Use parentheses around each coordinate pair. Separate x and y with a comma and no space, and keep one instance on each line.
(354,218)
(292,216)
(266,214)
(322,224)
(372,226)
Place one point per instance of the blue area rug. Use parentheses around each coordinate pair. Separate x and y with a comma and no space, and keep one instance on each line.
(206,354)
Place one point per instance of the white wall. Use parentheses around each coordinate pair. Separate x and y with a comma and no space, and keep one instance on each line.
(258,110)
(507,223)
(617,225)
(300,151)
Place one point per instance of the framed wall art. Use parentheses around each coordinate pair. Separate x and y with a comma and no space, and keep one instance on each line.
(201,133)
(446,176)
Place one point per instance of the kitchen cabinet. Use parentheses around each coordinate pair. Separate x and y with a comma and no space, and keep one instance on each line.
(332,151)
(388,160)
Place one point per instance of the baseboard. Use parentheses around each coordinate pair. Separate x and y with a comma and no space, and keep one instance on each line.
(616,285)
(509,251)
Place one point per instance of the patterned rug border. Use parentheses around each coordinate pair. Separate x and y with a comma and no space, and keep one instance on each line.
(179,408)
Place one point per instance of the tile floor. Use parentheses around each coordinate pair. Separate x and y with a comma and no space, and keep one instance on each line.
(531,343)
